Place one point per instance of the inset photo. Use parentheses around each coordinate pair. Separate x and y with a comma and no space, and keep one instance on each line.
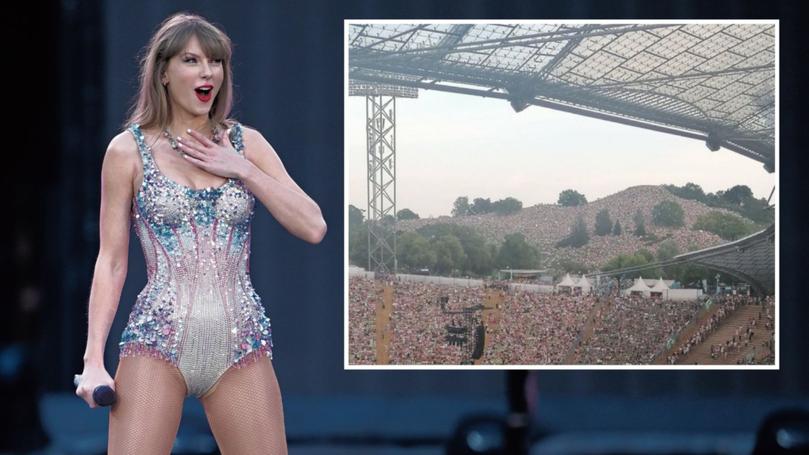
(561,195)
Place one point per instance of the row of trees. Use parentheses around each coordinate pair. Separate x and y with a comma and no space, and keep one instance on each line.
(444,249)
(738,198)
(480,206)
(355,216)
(666,213)
(688,274)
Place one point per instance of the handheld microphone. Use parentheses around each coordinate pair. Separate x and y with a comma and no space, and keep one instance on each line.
(103,395)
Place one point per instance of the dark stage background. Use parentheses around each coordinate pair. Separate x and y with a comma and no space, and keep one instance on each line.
(77,65)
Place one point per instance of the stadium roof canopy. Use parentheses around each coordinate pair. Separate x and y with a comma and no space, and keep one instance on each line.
(713,82)
(751,259)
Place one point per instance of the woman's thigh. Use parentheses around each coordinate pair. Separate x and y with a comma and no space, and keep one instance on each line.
(146,414)
(245,411)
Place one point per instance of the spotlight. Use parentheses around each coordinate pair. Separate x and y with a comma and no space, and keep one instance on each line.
(479,434)
(520,97)
(769,165)
(518,105)
(783,432)
(713,142)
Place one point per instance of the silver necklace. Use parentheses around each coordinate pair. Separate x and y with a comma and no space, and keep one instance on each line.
(215,137)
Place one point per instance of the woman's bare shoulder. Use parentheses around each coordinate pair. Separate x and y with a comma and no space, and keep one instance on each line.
(123,144)
(122,153)
(254,140)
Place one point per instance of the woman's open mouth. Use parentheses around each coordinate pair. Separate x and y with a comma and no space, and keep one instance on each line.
(204,92)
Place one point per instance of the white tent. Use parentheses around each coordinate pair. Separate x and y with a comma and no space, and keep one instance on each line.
(659,289)
(566,284)
(584,284)
(660,286)
(639,287)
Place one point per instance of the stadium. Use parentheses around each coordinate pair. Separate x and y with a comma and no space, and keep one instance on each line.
(653,275)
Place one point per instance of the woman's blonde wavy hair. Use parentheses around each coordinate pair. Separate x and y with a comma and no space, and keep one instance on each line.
(151,107)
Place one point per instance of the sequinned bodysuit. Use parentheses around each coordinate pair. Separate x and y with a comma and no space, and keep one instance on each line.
(198,310)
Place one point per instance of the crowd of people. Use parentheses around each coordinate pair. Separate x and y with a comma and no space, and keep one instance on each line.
(537,328)
(544,225)
(533,328)
(743,335)
(363,294)
(634,330)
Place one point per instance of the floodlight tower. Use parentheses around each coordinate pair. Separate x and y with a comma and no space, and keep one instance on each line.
(380,127)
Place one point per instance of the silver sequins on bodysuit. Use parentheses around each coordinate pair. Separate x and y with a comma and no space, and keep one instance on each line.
(198,310)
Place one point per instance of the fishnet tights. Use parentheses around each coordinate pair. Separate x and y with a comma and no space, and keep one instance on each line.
(146,414)
(243,408)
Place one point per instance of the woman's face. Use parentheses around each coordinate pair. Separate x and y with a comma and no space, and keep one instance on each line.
(193,80)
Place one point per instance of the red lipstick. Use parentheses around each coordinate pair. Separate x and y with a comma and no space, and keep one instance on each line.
(204,92)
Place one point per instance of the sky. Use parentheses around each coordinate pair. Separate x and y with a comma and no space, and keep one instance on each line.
(450,145)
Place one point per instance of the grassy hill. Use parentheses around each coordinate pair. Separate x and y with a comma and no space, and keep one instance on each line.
(546,224)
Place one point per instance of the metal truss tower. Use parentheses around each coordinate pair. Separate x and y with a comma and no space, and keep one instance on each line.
(381,145)
(380,127)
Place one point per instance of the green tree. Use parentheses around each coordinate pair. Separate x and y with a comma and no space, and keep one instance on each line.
(461,206)
(479,259)
(626,260)
(640,224)
(667,250)
(414,251)
(358,244)
(568,265)
(646,254)
(737,195)
(616,230)
(449,254)
(603,222)
(516,253)
(668,213)
(407,214)
(355,216)
(725,225)
(687,191)
(578,234)
(507,206)
(481,206)
(571,198)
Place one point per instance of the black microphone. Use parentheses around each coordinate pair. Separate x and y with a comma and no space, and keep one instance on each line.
(103,395)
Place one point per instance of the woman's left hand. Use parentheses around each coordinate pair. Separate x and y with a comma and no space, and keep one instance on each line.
(219,159)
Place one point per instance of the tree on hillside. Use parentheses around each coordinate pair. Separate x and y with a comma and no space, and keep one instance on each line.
(414,251)
(407,214)
(568,265)
(358,244)
(667,213)
(616,230)
(507,206)
(725,225)
(355,216)
(449,253)
(737,195)
(640,225)
(603,222)
(667,250)
(578,234)
(481,206)
(516,253)
(625,260)
(688,191)
(461,206)
(571,198)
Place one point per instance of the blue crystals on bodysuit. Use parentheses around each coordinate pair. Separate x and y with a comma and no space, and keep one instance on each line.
(193,240)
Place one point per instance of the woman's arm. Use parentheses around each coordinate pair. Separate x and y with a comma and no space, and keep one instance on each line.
(268,180)
(117,174)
